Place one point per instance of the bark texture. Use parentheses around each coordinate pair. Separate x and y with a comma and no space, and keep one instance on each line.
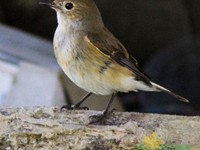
(48,128)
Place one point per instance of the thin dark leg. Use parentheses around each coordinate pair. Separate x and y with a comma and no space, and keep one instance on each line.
(100,118)
(109,104)
(82,100)
(77,105)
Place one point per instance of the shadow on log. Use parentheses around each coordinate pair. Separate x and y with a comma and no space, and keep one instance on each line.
(48,128)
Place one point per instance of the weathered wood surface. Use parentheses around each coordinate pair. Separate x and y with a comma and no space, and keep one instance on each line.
(48,128)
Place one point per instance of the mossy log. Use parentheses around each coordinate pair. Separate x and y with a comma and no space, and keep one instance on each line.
(48,128)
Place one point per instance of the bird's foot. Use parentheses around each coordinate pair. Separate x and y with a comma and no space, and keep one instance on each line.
(100,119)
(73,107)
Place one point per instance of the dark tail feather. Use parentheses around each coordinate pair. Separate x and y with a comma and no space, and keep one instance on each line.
(162,89)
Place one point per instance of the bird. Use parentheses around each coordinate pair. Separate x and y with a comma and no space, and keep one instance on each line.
(92,57)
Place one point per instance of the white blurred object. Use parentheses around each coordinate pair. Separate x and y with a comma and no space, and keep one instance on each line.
(7,74)
(29,73)
(35,86)
(19,45)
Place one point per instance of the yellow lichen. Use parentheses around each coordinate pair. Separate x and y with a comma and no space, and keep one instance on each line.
(152,142)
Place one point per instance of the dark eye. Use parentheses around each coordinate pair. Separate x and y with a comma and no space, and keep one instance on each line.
(69,6)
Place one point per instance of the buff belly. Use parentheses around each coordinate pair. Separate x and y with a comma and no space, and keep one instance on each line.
(99,77)
(93,71)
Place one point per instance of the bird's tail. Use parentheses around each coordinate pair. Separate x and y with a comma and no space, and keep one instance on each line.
(162,89)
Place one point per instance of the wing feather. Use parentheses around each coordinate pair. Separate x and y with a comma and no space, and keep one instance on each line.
(110,46)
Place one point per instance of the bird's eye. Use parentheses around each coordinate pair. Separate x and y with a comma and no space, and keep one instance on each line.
(69,6)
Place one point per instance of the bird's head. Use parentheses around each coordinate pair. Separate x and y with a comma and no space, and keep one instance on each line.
(76,13)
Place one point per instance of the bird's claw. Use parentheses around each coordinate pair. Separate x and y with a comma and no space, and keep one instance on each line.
(100,118)
(73,107)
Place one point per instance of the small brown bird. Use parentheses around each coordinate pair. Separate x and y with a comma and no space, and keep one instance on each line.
(92,57)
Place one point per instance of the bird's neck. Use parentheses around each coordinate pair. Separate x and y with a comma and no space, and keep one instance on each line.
(79,25)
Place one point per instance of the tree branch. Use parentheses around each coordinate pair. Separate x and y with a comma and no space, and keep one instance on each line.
(48,128)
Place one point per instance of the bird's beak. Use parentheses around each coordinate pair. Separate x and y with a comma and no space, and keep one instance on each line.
(48,3)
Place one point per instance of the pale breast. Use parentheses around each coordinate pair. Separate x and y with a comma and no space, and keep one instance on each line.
(78,64)
(90,69)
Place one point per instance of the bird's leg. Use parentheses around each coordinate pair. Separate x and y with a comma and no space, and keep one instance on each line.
(77,105)
(106,112)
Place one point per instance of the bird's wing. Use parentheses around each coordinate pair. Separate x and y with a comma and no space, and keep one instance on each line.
(107,44)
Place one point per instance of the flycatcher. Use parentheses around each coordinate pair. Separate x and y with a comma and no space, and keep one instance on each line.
(92,57)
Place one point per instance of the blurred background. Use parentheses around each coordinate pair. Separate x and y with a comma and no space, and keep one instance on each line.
(163,35)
